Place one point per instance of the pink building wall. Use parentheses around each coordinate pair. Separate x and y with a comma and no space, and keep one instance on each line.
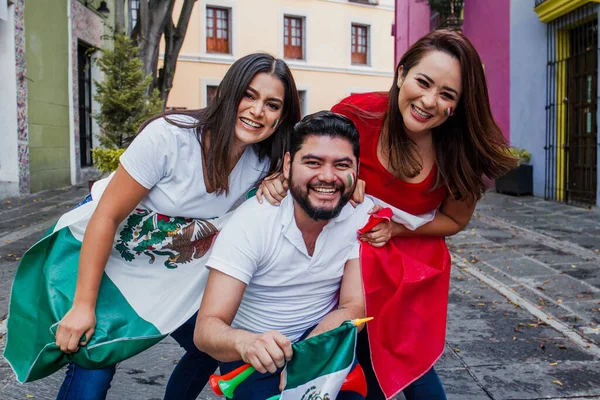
(487,25)
(412,22)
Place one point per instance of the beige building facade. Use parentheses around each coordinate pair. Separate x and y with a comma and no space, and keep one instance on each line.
(333,47)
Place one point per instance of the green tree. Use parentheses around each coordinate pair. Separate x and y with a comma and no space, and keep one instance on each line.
(122,95)
(155,22)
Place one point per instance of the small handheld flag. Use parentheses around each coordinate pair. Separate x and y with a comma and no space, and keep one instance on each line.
(315,367)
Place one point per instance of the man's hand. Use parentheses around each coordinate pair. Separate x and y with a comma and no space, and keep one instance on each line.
(266,352)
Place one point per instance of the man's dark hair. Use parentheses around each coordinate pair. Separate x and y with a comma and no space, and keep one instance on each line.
(324,123)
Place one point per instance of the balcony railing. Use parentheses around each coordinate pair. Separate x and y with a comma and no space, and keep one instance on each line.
(538,2)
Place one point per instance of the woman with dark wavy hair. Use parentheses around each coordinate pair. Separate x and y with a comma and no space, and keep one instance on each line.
(426,147)
(193,164)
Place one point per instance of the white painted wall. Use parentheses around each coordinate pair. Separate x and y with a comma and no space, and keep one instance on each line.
(9,165)
(528,60)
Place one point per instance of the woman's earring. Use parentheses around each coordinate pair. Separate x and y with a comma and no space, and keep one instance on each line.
(448,112)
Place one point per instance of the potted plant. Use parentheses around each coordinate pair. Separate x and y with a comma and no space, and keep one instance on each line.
(518,181)
(124,102)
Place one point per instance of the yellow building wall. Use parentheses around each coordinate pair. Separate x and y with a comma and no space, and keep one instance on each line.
(326,74)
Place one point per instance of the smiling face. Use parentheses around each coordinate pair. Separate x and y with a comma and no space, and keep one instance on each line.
(322,176)
(260,110)
(428,90)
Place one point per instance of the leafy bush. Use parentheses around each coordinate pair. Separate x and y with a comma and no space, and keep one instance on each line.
(106,160)
(523,155)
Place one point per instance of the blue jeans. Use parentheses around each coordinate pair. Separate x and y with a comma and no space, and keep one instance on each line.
(186,382)
(427,387)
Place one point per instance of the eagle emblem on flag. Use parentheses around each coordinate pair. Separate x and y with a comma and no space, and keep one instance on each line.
(179,239)
(313,394)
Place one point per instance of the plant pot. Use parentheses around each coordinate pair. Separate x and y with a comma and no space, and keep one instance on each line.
(518,181)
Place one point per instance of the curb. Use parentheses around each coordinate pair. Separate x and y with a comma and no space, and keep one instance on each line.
(584,343)
(540,238)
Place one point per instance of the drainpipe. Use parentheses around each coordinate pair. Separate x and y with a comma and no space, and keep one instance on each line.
(70,93)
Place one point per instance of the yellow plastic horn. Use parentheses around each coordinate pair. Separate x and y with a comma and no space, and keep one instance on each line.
(360,321)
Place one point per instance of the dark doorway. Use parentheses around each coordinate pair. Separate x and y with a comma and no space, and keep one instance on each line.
(582,131)
(84,70)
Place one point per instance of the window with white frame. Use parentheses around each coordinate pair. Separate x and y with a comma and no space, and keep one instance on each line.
(293,37)
(360,44)
(218,30)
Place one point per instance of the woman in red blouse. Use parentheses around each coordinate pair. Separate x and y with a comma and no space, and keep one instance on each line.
(426,145)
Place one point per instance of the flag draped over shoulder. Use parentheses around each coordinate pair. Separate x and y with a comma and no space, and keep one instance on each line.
(406,291)
(153,282)
(320,364)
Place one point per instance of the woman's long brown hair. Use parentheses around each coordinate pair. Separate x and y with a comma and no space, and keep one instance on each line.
(215,125)
(469,145)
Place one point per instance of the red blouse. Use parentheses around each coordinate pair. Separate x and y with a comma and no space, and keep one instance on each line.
(367,111)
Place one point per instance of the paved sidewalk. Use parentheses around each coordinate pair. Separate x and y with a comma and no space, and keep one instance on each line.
(522,321)
(524,302)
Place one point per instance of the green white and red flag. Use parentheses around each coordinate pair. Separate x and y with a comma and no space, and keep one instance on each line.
(320,364)
(153,283)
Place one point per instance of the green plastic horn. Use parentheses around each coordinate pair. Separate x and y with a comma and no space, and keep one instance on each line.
(229,386)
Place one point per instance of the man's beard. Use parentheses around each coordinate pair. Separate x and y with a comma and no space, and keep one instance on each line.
(319,213)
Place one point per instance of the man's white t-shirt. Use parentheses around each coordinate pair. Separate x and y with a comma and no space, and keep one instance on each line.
(287,290)
(168,160)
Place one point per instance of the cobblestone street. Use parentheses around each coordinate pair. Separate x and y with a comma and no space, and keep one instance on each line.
(523,318)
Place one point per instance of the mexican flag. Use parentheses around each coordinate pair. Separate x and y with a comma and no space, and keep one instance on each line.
(153,283)
(320,364)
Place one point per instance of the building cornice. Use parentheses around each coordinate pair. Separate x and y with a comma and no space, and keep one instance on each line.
(371,6)
(294,65)
(549,10)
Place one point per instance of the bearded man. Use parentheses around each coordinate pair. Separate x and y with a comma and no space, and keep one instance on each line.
(282,274)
